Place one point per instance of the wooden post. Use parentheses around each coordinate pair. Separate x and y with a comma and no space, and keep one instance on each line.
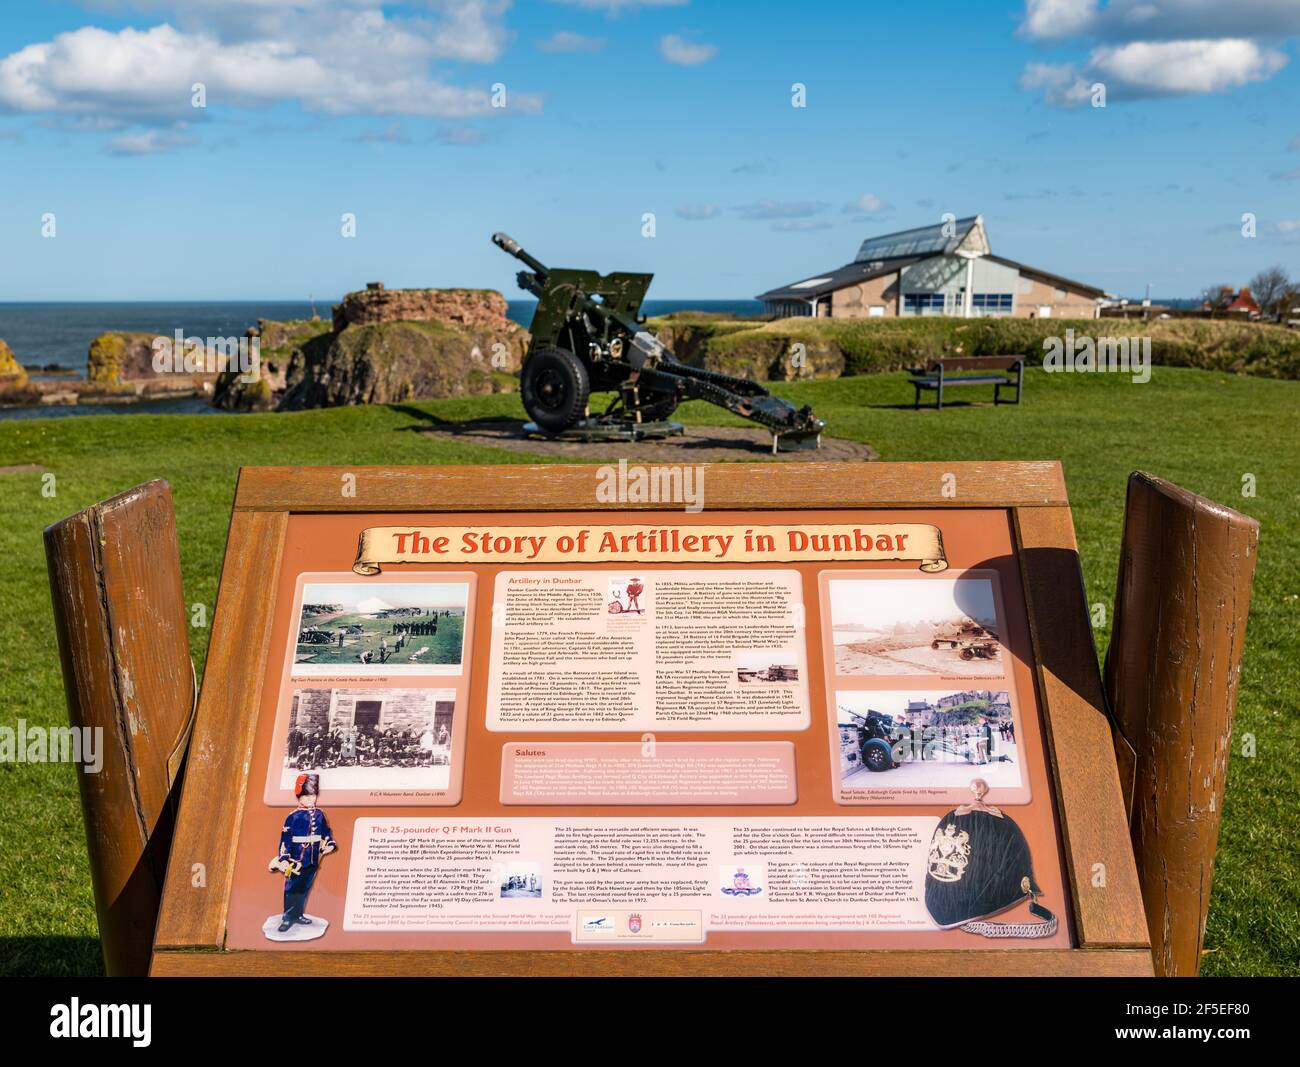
(115,580)
(1185,575)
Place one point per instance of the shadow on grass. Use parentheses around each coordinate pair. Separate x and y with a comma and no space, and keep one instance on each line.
(50,957)
(908,406)
(427,420)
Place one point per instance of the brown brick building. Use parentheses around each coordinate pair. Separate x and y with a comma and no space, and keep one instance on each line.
(944,269)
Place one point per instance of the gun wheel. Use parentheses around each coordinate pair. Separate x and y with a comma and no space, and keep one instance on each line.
(554,388)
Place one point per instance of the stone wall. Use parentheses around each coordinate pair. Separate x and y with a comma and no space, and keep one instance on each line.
(461,307)
(416,710)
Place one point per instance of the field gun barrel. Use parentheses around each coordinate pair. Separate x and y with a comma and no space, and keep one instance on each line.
(508,244)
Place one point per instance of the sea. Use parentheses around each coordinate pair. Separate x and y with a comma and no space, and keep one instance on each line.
(60,333)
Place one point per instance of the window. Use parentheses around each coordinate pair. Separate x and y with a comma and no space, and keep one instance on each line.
(366,714)
(993,302)
(923,303)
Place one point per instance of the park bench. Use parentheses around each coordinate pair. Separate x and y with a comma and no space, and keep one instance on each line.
(1001,372)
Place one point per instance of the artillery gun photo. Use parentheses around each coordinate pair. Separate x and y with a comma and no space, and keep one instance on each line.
(876,737)
(968,638)
(588,336)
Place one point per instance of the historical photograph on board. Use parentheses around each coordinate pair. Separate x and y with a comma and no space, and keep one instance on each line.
(941,626)
(381,628)
(518,879)
(370,739)
(766,665)
(931,739)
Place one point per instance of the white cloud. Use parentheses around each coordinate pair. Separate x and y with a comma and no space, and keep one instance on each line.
(390,134)
(149,142)
(697,212)
(563,41)
(1160,20)
(866,204)
(1152,48)
(615,6)
(339,57)
(685,53)
(1156,68)
(461,135)
(800,226)
(1061,85)
(1050,19)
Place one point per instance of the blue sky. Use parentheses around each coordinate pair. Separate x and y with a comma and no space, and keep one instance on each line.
(316,108)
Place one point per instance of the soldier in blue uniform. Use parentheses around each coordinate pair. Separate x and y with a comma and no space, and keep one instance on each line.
(305,839)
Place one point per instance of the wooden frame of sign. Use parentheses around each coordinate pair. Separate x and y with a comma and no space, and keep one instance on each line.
(1105,911)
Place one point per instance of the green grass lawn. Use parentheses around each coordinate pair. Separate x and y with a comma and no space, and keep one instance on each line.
(1210,432)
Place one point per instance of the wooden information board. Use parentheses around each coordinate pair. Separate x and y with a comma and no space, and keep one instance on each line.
(794,718)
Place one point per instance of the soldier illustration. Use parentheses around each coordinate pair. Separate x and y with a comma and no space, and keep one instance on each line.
(305,840)
(634,590)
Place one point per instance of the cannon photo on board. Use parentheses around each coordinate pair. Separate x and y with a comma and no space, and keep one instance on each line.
(901,739)
(941,626)
(384,628)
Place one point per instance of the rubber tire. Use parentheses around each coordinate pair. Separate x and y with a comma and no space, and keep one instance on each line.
(554,388)
(878,756)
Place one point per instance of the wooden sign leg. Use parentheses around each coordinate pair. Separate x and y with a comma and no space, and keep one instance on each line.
(1186,570)
(119,609)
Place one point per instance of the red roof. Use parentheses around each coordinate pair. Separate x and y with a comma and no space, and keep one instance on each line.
(1244,301)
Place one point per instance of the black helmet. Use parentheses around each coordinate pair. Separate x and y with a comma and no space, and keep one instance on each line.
(979,866)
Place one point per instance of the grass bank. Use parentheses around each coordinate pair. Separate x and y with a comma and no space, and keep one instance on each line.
(868,346)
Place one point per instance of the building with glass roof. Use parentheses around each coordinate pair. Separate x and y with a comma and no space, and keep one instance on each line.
(944,269)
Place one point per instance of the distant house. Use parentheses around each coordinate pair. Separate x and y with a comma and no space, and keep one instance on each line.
(945,269)
(1241,303)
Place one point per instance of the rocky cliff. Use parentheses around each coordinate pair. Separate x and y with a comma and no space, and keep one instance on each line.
(384,346)
(285,348)
(119,357)
(458,307)
(13,376)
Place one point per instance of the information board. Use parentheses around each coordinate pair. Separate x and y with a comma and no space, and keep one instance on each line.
(625,736)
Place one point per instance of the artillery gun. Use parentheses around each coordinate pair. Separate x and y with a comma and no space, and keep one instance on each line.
(968,638)
(588,336)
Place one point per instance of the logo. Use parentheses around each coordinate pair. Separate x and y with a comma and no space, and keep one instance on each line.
(596,922)
(741,885)
(75,1019)
(634,923)
(949,854)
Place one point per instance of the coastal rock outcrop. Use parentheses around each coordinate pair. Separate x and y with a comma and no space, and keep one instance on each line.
(383,346)
(458,307)
(10,369)
(283,346)
(118,356)
(13,377)
(386,362)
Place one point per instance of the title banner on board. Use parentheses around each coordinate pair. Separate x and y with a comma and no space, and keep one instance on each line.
(380,546)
